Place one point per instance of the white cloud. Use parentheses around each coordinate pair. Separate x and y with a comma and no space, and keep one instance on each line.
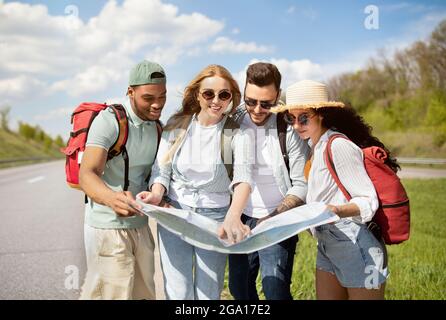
(194,52)
(420,29)
(86,57)
(113,100)
(404,6)
(297,70)
(226,45)
(291,70)
(291,10)
(165,55)
(60,113)
(117,100)
(94,79)
(427,23)
(175,97)
(235,31)
(20,87)
(394,7)
(310,13)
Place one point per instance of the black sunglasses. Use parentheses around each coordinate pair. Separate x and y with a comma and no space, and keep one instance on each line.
(223,95)
(302,119)
(264,104)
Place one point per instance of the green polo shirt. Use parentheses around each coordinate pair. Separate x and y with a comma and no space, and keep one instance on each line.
(141,148)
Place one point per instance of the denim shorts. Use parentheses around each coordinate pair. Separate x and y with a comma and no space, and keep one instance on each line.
(351,252)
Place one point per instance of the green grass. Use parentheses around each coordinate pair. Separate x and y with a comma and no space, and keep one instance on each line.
(13,146)
(417,267)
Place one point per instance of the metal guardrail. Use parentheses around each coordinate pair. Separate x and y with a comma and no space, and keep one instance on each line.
(13,160)
(431,161)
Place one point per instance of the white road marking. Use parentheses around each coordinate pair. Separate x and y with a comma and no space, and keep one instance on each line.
(36,179)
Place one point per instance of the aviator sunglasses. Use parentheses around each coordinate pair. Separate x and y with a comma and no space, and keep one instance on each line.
(223,95)
(302,119)
(264,104)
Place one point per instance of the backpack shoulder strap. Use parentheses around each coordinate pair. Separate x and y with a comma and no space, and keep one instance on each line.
(121,118)
(225,145)
(281,133)
(119,145)
(328,157)
(159,131)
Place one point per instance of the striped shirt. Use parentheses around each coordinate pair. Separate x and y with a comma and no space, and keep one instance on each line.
(348,160)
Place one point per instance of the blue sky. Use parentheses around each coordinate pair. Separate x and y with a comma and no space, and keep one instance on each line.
(55,54)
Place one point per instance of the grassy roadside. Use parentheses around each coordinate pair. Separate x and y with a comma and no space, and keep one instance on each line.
(13,146)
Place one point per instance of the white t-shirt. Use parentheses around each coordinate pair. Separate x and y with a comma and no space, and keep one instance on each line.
(196,161)
(265,196)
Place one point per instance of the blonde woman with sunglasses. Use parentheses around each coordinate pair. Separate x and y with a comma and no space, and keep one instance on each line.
(189,173)
(351,260)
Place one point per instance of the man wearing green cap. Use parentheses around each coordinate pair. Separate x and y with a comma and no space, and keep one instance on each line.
(118,243)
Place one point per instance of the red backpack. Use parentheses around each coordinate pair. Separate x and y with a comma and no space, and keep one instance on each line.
(81,119)
(393,214)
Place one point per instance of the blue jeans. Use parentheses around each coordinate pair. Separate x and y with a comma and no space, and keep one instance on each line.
(191,273)
(276,267)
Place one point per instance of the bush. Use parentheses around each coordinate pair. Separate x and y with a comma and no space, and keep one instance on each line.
(59,141)
(27,131)
(48,142)
(436,118)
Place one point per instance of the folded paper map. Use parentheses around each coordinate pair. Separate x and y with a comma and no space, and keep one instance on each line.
(201,231)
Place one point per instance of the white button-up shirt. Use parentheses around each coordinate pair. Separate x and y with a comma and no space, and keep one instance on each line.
(348,160)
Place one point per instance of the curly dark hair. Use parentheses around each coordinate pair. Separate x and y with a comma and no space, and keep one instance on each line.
(349,122)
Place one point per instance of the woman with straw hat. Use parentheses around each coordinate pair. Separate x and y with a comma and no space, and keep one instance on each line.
(351,261)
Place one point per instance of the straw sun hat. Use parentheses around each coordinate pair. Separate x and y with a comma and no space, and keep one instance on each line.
(306,94)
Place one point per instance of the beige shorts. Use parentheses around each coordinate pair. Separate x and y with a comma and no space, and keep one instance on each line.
(120,264)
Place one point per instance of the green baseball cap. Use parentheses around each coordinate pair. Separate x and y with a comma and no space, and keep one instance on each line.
(147,72)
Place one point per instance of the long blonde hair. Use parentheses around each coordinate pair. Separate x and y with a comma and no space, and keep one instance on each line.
(190,104)
(179,122)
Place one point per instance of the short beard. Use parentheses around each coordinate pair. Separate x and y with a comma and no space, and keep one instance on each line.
(136,110)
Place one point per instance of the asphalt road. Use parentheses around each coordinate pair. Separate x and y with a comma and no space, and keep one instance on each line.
(41,232)
(422,173)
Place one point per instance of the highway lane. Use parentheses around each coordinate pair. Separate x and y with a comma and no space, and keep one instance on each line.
(40,234)
(421,173)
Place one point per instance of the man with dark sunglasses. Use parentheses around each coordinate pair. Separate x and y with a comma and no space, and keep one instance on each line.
(279,185)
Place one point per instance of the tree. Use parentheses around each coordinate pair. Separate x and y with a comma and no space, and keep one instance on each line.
(48,142)
(4,117)
(27,131)
(59,141)
(437,48)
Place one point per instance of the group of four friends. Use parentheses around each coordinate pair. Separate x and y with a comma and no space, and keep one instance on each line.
(276,163)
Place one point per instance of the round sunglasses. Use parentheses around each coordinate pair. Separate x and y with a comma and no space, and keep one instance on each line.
(223,95)
(302,119)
